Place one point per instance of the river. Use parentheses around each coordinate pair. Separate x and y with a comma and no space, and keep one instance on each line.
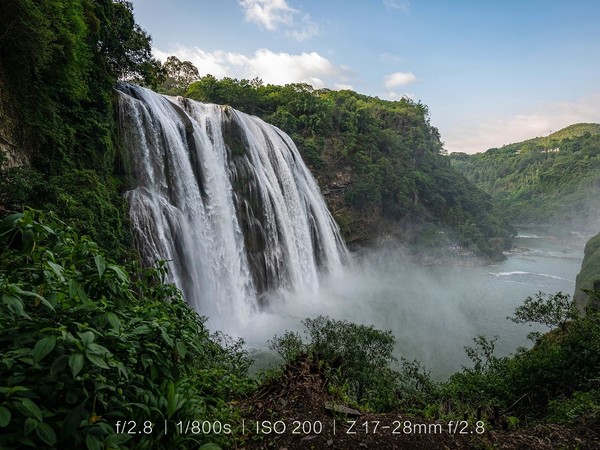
(434,311)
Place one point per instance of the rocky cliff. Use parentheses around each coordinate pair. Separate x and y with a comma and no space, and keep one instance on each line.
(589,276)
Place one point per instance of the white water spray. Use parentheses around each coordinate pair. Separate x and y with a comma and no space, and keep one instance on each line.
(227,200)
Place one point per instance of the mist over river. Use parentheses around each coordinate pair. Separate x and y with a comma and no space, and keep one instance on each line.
(434,311)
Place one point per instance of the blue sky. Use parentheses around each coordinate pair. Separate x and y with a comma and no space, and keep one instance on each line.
(492,72)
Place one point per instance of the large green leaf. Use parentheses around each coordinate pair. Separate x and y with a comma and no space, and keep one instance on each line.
(100,264)
(19,291)
(113,320)
(210,446)
(166,337)
(8,225)
(14,304)
(30,409)
(96,349)
(57,269)
(121,275)
(58,365)
(92,443)
(118,439)
(97,360)
(4,416)
(76,363)
(43,347)
(87,338)
(46,433)
(30,425)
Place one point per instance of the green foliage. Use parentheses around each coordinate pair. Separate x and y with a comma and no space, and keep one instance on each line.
(572,131)
(479,386)
(178,76)
(555,381)
(553,311)
(589,276)
(551,381)
(87,343)
(359,351)
(289,346)
(553,179)
(60,61)
(91,205)
(126,47)
(582,405)
(359,363)
(415,391)
(376,158)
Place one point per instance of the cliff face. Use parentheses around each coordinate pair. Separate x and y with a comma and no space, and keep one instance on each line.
(360,225)
(589,276)
(10,154)
(12,148)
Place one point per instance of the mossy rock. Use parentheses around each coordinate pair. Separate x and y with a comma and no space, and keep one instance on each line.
(590,273)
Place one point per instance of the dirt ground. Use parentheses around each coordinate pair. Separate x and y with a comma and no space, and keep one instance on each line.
(291,413)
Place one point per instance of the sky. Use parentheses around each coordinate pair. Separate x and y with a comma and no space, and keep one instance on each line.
(492,72)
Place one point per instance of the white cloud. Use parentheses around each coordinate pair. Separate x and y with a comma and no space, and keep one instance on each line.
(343,87)
(399,79)
(401,5)
(273,14)
(206,62)
(268,13)
(271,67)
(316,82)
(395,96)
(473,136)
(281,68)
(309,29)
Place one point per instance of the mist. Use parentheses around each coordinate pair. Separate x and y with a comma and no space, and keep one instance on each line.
(433,311)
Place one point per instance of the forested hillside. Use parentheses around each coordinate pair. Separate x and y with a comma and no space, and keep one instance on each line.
(380,164)
(547,180)
(59,61)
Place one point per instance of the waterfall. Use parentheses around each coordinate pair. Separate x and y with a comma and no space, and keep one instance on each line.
(225,198)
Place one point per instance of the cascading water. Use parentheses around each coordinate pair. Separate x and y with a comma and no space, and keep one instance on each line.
(227,200)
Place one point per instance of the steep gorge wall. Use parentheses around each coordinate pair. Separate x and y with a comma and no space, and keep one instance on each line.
(12,154)
(13,150)
(589,276)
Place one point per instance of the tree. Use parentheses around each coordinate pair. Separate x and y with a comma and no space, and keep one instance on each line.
(553,311)
(125,45)
(178,76)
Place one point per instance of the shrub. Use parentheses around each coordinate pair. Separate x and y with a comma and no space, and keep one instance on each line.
(360,351)
(359,362)
(289,346)
(87,343)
